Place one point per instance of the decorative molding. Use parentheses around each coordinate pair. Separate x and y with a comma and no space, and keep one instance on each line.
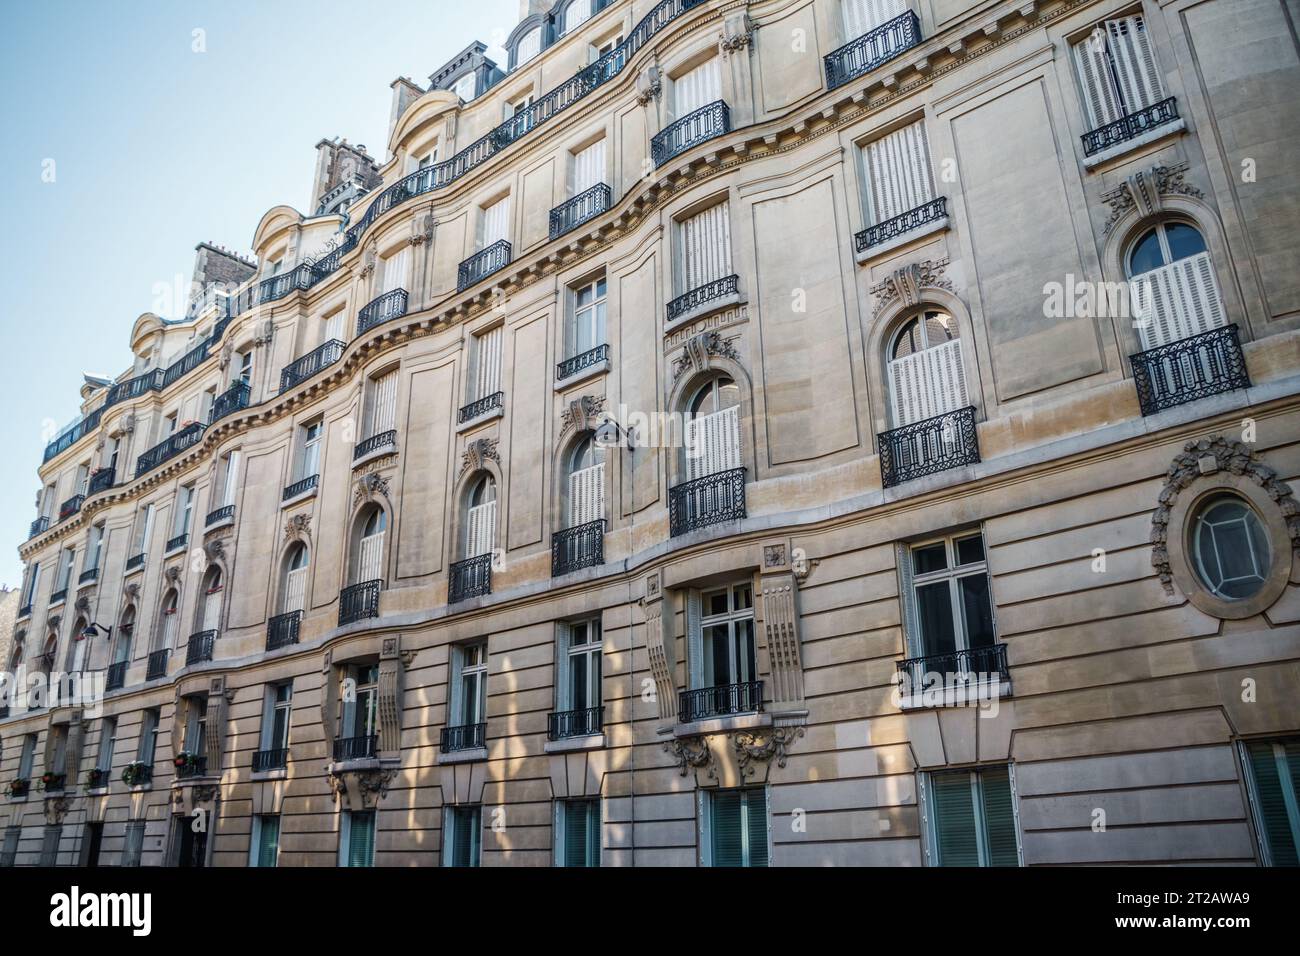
(370,487)
(173,574)
(774,556)
(265,333)
(737,34)
(698,351)
(909,283)
(423,228)
(298,526)
(56,808)
(477,453)
(582,414)
(649,85)
(371,259)
(227,353)
(215,548)
(692,753)
(82,606)
(763,746)
(1144,190)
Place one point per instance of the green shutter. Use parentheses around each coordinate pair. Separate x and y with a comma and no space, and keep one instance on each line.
(361,839)
(728,833)
(999,817)
(756,826)
(953,813)
(268,840)
(1270,793)
(465,836)
(581,833)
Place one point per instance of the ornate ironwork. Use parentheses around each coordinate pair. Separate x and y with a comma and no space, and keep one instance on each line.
(463,737)
(300,487)
(282,630)
(578,547)
(276,759)
(359,601)
(178,542)
(135,561)
(870,50)
(231,400)
(224,513)
(304,368)
(581,208)
(720,701)
(482,264)
(929,446)
(708,122)
(59,596)
(189,766)
(390,305)
(356,748)
(900,225)
(580,363)
(374,443)
(88,576)
(115,678)
(40,525)
(71,507)
(564,724)
(480,406)
(200,647)
(709,292)
(701,502)
(469,578)
(157,665)
(181,441)
(1190,369)
(101,480)
(963,664)
(1130,127)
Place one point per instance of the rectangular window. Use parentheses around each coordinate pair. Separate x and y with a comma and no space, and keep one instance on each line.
(94,552)
(333,326)
(143,528)
(206,401)
(133,846)
(50,844)
(587,327)
(577,833)
(863,16)
(723,642)
(469,684)
(1117,70)
(697,87)
(229,479)
(309,455)
(148,744)
(264,848)
(276,715)
(357,840)
(383,404)
(579,686)
(360,715)
(971,817)
(393,270)
(735,827)
(107,741)
(704,247)
(33,582)
(588,167)
(244,367)
(485,378)
(494,224)
(1273,783)
(9,853)
(196,725)
(896,173)
(462,836)
(82,483)
(65,569)
(28,757)
(948,608)
(516,107)
(184,510)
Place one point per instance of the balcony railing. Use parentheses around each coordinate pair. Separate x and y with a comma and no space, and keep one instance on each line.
(88,576)
(71,507)
(190,768)
(1130,127)
(721,701)
(704,124)
(150,381)
(200,647)
(230,401)
(359,601)
(282,630)
(70,436)
(59,596)
(101,480)
(580,363)
(280,286)
(482,264)
(1190,369)
(184,439)
(927,447)
(185,364)
(374,443)
(701,502)
(709,292)
(300,487)
(304,368)
(579,547)
(356,748)
(40,525)
(469,578)
(178,542)
(463,737)
(135,561)
(882,232)
(581,208)
(53,782)
(936,669)
(224,513)
(264,760)
(157,665)
(575,723)
(868,51)
(115,678)
(480,406)
(390,305)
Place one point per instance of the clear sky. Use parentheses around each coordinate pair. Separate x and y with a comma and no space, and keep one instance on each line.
(161,138)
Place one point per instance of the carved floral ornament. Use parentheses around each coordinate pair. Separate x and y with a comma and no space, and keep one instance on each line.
(752,747)
(477,453)
(582,413)
(737,34)
(370,487)
(906,285)
(298,526)
(699,350)
(1144,190)
(649,85)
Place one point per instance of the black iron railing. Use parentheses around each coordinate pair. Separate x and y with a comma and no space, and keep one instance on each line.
(178,542)
(264,760)
(480,406)
(150,381)
(304,368)
(69,437)
(189,766)
(53,782)
(71,506)
(40,525)
(390,305)
(186,438)
(282,630)
(581,208)
(115,678)
(101,480)
(580,363)
(59,596)
(720,701)
(88,576)
(701,502)
(300,487)
(135,561)
(482,264)
(575,723)
(200,647)
(279,286)
(231,400)
(374,443)
(356,748)
(463,737)
(974,663)
(469,578)
(137,774)
(359,601)
(709,292)
(870,50)
(224,513)
(881,232)
(579,547)
(1190,369)
(1130,127)
(704,124)
(926,447)
(157,665)
(186,363)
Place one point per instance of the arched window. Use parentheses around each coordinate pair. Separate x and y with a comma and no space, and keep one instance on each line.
(712,436)
(293,587)
(481,517)
(51,648)
(169,623)
(369,564)
(586,486)
(925,373)
(530,44)
(1173,291)
(125,634)
(80,646)
(213,594)
(16,658)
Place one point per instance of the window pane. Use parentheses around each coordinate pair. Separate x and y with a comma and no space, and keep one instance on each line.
(1146,255)
(578,682)
(716,603)
(715,639)
(934,612)
(756,826)
(970,550)
(1184,241)
(746,665)
(977,610)
(932,557)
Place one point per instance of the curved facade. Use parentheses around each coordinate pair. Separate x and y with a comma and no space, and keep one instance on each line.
(787,432)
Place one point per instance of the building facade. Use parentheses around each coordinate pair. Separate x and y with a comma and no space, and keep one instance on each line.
(788,432)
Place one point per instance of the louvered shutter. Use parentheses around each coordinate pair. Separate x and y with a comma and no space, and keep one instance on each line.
(927,383)
(954,819)
(706,247)
(487,363)
(371,564)
(169,629)
(694,643)
(295,589)
(268,840)
(999,817)
(715,441)
(698,87)
(576,832)
(1276,827)
(383,416)
(496,222)
(133,846)
(1134,63)
(395,267)
(465,836)
(232,478)
(897,173)
(576,13)
(361,839)
(1099,94)
(587,495)
(589,167)
(727,828)
(756,826)
(482,525)
(334,327)
(907,601)
(862,16)
(1176,301)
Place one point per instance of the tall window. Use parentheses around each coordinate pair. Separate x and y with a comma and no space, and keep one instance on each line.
(310,437)
(95,549)
(27,757)
(361,713)
(9,853)
(896,170)
(1273,783)
(133,845)
(293,592)
(107,741)
(264,849)
(213,594)
(1173,289)
(143,528)
(370,550)
(50,844)
(736,827)
(724,639)
(925,373)
(229,481)
(971,817)
(381,414)
(862,16)
(169,625)
(184,511)
(196,724)
(704,247)
(33,582)
(588,167)
(712,436)
(469,684)
(579,683)
(697,87)
(333,326)
(587,327)
(394,269)
(276,716)
(946,585)
(147,745)
(485,368)
(577,833)
(494,224)
(125,634)
(244,366)
(462,829)
(481,517)
(64,575)
(357,839)
(586,482)
(1117,70)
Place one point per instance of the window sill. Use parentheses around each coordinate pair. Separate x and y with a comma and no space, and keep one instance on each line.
(889,245)
(707,308)
(971,694)
(173,551)
(600,368)
(301,496)
(351,766)
(383,451)
(280,773)
(719,725)
(132,572)
(180,783)
(487,416)
(1129,145)
(217,525)
(575,744)
(471,755)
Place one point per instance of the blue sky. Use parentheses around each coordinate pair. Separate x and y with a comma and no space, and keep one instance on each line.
(156,147)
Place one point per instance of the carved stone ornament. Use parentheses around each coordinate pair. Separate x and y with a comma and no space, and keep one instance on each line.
(265,333)
(908,284)
(1144,190)
(371,259)
(83,604)
(763,746)
(737,34)
(1206,456)
(691,753)
(132,591)
(649,85)
(215,548)
(298,526)
(227,353)
(370,487)
(774,556)
(582,413)
(422,229)
(54,621)
(362,789)
(698,350)
(128,424)
(56,808)
(477,452)
(173,574)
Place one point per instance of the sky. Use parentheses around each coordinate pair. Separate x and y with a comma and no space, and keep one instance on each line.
(135,129)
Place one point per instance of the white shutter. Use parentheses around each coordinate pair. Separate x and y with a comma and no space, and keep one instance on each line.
(371,565)
(496,222)
(295,590)
(384,398)
(896,169)
(706,247)
(587,495)
(927,383)
(589,167)
(487,362)
(232,479)
(334,327)
(169,629)
(698,87)
(577,13)
(1176,301)
(1093,65)
(395,270)
(863,16)
(481,532)
(212,610)
(715,440)
(1134,61)
(529,46)
(695,664)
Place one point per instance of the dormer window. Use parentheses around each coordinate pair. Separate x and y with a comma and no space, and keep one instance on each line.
(465,87)
(530,44)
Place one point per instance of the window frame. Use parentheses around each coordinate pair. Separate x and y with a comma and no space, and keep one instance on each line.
(953,573)
(925,800)
(705,812)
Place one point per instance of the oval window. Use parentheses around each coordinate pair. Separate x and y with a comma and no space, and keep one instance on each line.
(1230,549)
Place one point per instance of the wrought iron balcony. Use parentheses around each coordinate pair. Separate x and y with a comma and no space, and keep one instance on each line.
(564,724)
(390,305)
(304,368)
(970,664)
(224,513)
(701,502)
(71,507)
(300,487)
(264,760)
(101,480)
(374,443)
(150,381)
(115,677)
(581,208)
(186,363)
(706,123)
(927,447)
(1130,127)
(181,441)
(200,647)
(870,50)
(40,525)
(480,406)
(580,363)
(469,578)
(356,748)
(720,701)
(359,601)
(135,561)
(53,782)
(189,766)
(59,596)
(137,774)
(463,737)
(178,542)
(282,630)
(579,547)
(882,232)
(709,292)
(286,283)
(88,576)
(231,400)
(1190,369)
(482,264)
(157,665)
(71,436)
